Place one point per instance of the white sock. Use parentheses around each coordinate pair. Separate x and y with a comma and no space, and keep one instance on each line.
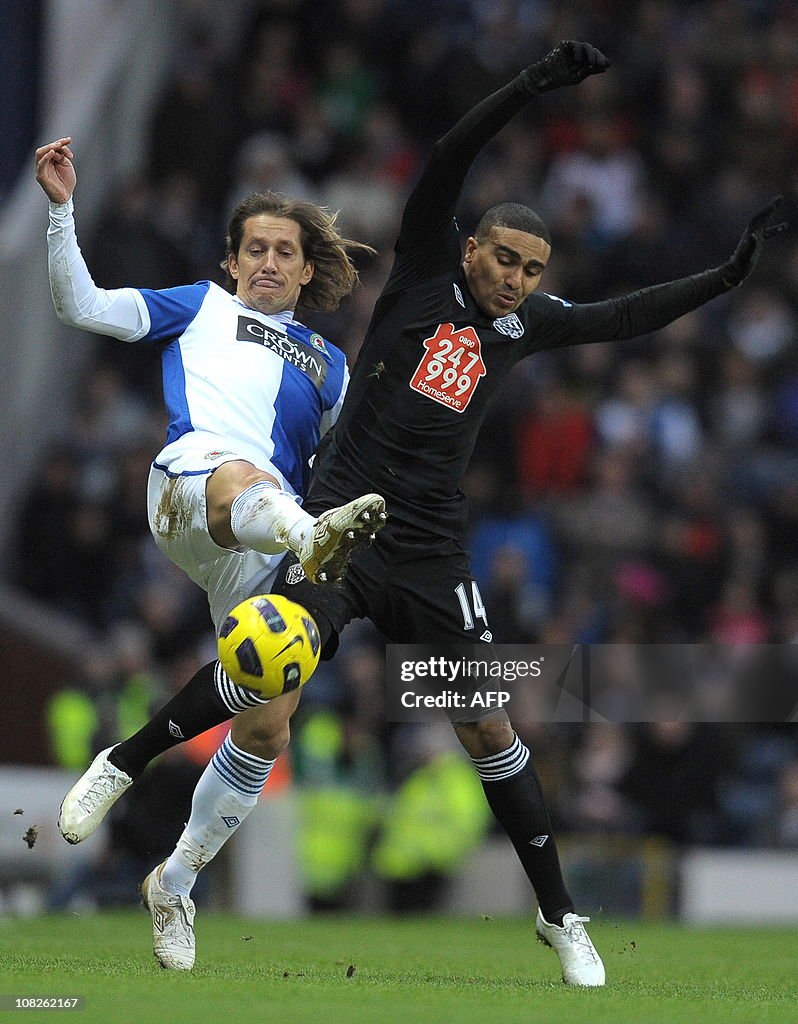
(266,519)
(225,794)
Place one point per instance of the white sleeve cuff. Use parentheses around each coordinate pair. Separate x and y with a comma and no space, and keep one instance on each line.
(60,212)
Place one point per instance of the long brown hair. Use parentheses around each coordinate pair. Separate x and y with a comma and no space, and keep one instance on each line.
(334,274)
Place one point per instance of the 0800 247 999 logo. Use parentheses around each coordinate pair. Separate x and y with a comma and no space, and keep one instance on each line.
(450,368)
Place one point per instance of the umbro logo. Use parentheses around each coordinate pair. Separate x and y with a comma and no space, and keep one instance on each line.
(538,841)
(321,533)
(232,821)
(175,730)
(487,636)
(459,295)
(159,919)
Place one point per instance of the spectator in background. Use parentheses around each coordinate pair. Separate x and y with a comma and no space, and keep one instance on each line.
(682,138)
(738,618)
(762,327)
(192,115)
(424,71)
(433,819)
(41,561)
(605,172)
(554,442)
(108,417)
(370,200)
(77,714)
(689,546)
(273,85)
(346,89)
(600,761)
(673,779)
(623,420)
(738,407)
(264,162)
(615,519)
(675,431)
(130,240)
(517,598)
(746,550)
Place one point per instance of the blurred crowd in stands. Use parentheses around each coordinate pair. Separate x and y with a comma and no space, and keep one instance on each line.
(643,492)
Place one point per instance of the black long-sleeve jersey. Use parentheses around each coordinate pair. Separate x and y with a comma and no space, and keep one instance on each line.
(432,360)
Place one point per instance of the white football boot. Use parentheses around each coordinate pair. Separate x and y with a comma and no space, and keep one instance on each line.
(581,964)
(173,943)
(326,551)
(91,798)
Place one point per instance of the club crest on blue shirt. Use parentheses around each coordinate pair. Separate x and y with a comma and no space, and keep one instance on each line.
(509,325)
(317,342)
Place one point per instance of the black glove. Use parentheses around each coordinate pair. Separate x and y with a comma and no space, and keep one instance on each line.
(569,63)
(745,257)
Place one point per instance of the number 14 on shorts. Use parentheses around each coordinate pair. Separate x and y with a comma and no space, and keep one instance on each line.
(474,610)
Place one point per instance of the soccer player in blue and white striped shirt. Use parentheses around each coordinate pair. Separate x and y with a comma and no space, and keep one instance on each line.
(249,392)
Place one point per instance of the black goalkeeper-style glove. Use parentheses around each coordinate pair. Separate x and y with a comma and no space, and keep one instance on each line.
(746,255)
(569,63)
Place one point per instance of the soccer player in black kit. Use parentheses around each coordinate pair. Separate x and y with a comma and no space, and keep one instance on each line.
(445,331)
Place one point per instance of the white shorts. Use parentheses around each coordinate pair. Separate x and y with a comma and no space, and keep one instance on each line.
(178,520)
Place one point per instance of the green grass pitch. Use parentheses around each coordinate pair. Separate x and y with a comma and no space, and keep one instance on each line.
(421,970)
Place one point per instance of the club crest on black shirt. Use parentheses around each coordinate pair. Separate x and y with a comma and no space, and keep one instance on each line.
(509,325)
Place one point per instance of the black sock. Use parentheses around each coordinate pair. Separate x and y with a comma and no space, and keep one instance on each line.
(518,805)
(194,709)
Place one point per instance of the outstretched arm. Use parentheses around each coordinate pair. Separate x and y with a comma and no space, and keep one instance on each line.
(120,313)
(431,204)
(649,309)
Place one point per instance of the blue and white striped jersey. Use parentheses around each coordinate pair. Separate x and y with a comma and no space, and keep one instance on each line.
(267,383)
(263,386)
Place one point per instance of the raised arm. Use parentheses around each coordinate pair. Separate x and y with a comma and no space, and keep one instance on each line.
(55,171)
(120,313)
(649,309)
(431,204)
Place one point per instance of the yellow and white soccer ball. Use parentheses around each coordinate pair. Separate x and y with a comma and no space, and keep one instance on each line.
(269,644)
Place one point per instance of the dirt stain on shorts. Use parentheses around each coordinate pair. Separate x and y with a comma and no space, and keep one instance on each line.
(173,512)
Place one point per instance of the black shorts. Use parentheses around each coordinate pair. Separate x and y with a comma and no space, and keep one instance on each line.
(415,586)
